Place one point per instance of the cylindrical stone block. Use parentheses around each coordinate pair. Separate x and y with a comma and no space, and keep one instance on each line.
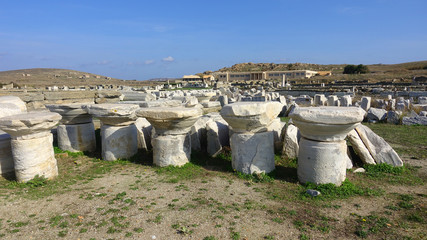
(172,150)
(33,157)
(322,162)
(6,159)
(77,137)
(118,142)
(252,152)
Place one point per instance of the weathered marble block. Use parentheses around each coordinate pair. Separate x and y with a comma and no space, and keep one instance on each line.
(77,137)
(171,150)
(31,144)
(118,142)
(322,156)
(252,152)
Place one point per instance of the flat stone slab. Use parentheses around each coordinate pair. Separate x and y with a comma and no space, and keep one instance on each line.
(250,116)
(72,113)
(14,100)
(171,120)
(29,123)
(113,114)
(328,115)
(157,103)
(8,109)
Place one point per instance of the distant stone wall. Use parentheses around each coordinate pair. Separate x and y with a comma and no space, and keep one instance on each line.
(37,99)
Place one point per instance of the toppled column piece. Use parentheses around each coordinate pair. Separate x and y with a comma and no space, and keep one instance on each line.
(31,144)
(322,156)
(118,132)
(76,131)
(171,143)
(252,146)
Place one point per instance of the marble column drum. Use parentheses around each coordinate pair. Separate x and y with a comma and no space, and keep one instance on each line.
(119,137)
(322,156)
(31,144)
(76,131)
(171,142)
(252,145)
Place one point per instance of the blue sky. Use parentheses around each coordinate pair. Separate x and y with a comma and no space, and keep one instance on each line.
(147,39)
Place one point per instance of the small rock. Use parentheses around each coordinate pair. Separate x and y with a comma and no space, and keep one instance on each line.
(359,170)
(313,193)
(153,237)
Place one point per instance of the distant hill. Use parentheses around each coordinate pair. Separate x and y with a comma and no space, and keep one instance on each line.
(37,77)
(335,68)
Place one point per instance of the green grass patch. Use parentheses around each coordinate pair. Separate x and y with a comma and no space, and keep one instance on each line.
(330,191)
(394,175)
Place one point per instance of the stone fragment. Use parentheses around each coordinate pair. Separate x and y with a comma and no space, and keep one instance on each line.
(276,127)
(252,152)
(360,148)
(366,103)
(144,133)
(13,100)
(333,100)
(393,117)
(359,170)
(217,136)
(313,193)
(6,158)
(72,113)
(418,120)
(8,109)
(376,114)
(380,150)
(290,142)
(320,100)
(113,114)
(346,101)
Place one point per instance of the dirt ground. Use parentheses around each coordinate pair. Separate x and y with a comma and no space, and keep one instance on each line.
(92,199)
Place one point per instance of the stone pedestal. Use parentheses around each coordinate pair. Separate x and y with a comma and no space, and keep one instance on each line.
(118,142)
(31,144)
(119,136)
(171,143)
(172,150)
(322,156)
(76,132)
(252,152)
(77,137)
(252,146)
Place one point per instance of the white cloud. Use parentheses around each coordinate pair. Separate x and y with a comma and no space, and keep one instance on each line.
(103,62)
(147,62)
(168,59)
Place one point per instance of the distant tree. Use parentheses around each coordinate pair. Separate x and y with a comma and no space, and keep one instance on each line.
(353,69)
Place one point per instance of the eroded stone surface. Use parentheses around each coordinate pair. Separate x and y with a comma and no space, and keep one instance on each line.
(14,100)
(34,157)
(250,116)
(290,142)
(252,152)
(77,137)
(360,148)
(171,120)
(113,114)
(322,162)
(118,142)
(6,159)
(172,150)
(72,113)
(8,109)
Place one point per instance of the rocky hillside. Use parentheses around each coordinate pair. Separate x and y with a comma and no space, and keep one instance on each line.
(335,68)
(36,77)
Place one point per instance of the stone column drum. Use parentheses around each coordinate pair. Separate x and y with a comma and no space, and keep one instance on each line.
(76,131)
(252,146)
(119,136)
(31,144)
(171,142)
(322,154)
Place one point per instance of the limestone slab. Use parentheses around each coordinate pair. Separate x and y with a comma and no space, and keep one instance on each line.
(113,114)
(72,113)
(380,150)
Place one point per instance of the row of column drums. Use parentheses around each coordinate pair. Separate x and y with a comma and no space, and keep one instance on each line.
(322,148)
